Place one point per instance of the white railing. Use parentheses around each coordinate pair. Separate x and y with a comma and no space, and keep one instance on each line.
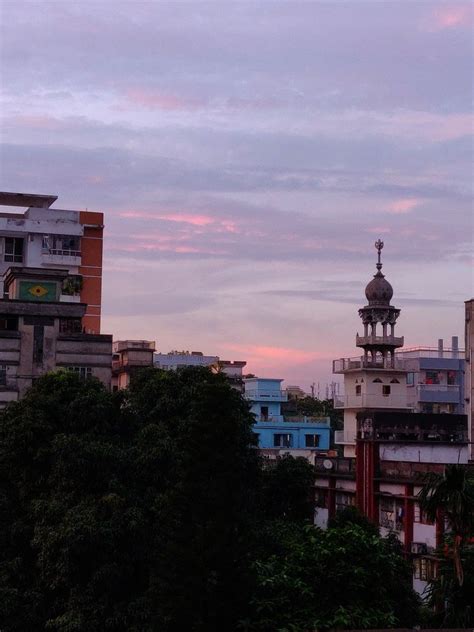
(360,362)
(434,388)
(260,394)
(396,341)
(370,400)
(344,436)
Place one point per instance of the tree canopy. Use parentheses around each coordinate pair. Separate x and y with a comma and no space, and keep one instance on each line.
(151,510)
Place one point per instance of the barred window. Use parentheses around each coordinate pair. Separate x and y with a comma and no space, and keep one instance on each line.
(83,371)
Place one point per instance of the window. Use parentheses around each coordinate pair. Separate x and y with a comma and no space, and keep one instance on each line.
(410,379)
(424,569)
(432,377)
(69,245)
(420,515)
(256,438)
(321,498)
(13,249)
(282,441)
(311,440)
(391,513)
(264,413)
(3,374)
(344,500)
(70,326)
(8,323)
(386,390)
(358,389)
(83,371)
(451,378)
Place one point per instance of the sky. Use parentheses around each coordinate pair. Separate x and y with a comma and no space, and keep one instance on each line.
(247,155)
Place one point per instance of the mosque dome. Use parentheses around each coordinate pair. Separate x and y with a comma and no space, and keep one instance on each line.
(379,290)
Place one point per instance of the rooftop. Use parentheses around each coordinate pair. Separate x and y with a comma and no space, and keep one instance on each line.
(26,199)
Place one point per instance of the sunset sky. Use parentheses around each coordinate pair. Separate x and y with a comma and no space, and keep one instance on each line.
(247,155)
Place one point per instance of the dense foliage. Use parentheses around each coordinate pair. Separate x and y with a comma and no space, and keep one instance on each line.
(149,510)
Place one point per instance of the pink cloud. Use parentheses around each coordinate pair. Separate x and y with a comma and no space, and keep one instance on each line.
(404,205)
(216,224)
(155,100)
(449,17)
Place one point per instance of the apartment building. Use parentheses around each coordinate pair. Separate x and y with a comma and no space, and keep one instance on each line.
(41,332)
(128,357)
(278,434)
(55,239)
(435,377)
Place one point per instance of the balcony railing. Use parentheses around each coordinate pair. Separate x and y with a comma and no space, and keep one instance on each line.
(332,465)
(370,400)
(260,394)
(54,255)
(394,341)
(360,362)
(342,437)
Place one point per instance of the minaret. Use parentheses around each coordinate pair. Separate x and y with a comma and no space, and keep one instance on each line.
(379,319)
(373,381)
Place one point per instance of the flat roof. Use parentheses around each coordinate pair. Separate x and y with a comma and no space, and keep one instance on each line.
(26,199)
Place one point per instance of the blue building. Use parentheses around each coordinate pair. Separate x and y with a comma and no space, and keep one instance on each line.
(278,434)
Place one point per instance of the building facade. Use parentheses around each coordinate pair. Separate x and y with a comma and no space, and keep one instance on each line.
(435,378)
(128,357)
(53,239)
(42,332)
(469,375)
(388,448)
(278,434)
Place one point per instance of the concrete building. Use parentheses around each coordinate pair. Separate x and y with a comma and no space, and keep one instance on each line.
(387,447)
(54,239)
(394,451)
(376,380)
(179,359)
(41,332)
(435,378)
(128,357)
(295,392)
(469,373)
(278,434)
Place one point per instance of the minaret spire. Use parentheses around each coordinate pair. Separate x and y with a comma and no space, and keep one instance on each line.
(379,246)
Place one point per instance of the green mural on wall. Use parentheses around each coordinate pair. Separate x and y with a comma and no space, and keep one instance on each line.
(38,291)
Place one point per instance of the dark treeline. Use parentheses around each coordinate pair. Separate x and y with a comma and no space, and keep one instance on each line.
(151,510)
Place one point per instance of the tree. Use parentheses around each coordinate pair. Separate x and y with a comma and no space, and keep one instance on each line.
(288,489)
(341,578)
(128,511)
(451,495)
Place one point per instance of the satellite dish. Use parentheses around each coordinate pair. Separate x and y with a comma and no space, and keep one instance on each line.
(327,464)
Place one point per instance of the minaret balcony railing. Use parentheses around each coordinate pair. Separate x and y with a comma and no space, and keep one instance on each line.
(343,365)
(389,341)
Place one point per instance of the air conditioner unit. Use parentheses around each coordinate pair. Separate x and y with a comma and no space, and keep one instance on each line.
(419,548)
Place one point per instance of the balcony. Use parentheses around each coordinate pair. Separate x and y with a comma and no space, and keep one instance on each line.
(393,341)
(370,400)
(345,437)
(335,465)
(54,256)
(344,365)
(438,393)
(266,395)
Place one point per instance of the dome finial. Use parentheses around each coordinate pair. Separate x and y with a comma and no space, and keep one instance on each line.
(379,246)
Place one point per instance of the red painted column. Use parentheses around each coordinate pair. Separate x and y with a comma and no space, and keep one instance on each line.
(409,516)
(331,498)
